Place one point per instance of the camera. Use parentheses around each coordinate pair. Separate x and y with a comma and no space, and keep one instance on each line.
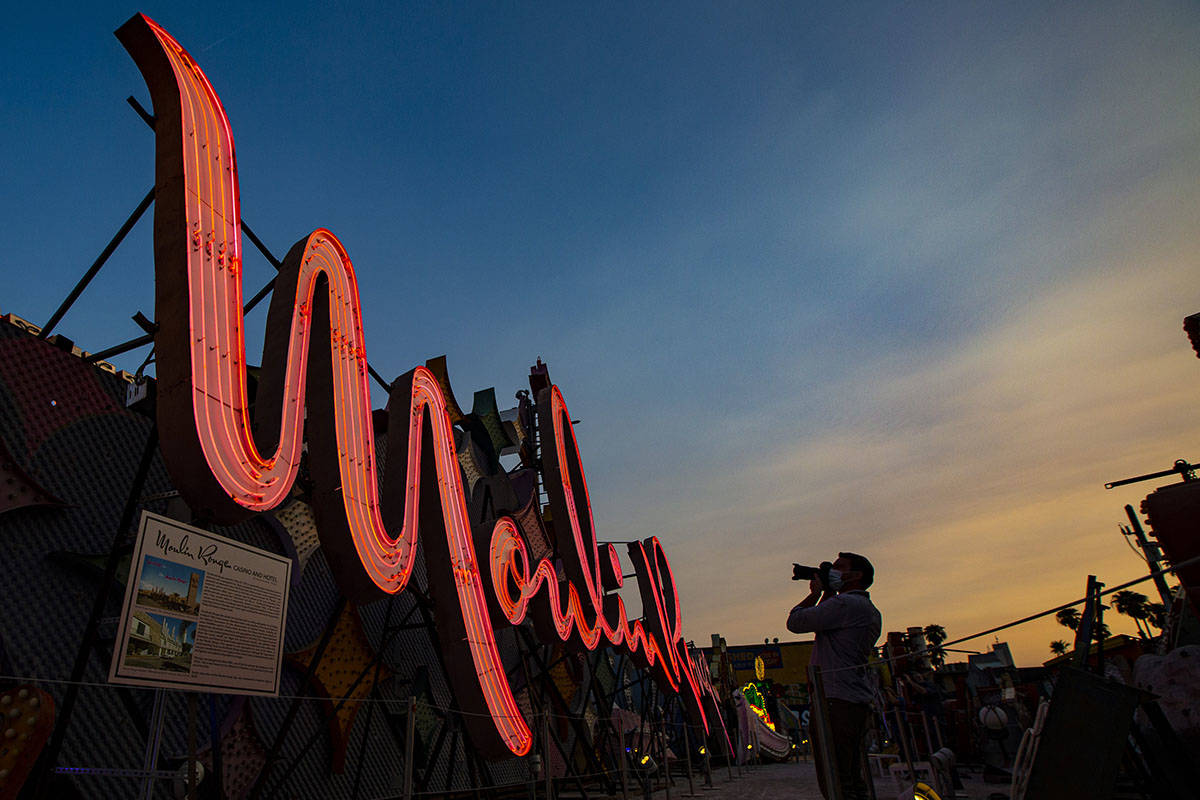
(821,573)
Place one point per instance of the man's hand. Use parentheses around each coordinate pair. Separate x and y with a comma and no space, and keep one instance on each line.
(815,590)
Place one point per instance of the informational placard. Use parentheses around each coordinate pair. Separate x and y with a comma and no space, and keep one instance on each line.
(201,612)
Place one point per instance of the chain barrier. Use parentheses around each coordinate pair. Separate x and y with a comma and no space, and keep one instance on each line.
(681,727)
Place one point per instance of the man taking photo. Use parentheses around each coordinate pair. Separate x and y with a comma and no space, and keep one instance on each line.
(839,611)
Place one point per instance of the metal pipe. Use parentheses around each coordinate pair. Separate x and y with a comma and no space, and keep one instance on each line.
(191,746)
(50,755)
(133,344)
(214,738)
(150,762)
(905,746)
(116,350)
(729,744)
(687,749)
(366,735)
(410,732)
(273,752)
(97,264)
(262,248)
(546,753)
(263,292)
(666,762)
(622,764)
(1153,554)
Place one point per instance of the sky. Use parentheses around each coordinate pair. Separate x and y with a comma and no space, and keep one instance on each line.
(169,577)
(180,629)
(900,279)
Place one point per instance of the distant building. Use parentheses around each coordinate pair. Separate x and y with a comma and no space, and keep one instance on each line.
(1000,657)
(1120,650)
(785,664)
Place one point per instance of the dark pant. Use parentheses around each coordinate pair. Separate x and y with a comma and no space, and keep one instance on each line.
(847,728)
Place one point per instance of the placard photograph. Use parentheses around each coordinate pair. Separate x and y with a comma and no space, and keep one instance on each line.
(170,586)
(157,641)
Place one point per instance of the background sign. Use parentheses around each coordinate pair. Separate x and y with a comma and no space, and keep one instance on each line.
(201,612)
(743,658)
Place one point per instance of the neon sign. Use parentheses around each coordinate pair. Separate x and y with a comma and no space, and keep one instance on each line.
(229,465)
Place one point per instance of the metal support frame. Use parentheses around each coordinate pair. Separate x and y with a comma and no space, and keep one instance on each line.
(119,237)
(1089,623)
(374,663)
(529,651)
(410,735)
(362,750)
(150,761)
(434,754)
(1153,553)
(50,757)
(604,720)
(273,752)
(581,732)
(453,720)
(92,271)
(424,605)
(687,749)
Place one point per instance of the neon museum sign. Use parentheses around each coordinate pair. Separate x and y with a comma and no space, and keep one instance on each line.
(230,465)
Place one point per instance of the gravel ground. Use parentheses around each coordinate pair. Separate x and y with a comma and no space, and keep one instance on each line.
(798,781)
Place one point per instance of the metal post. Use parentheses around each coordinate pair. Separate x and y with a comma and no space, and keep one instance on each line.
(261,784)
(687,749)
(214,737)
(150,762)
(905,747)
(623,764)
(1099,630)
(410,733)
(385,640)
(546,754)
(191,739)
(708,776)
(1083,634)
(49,757)
(662,734)
(729,744)
(97,264)
(262,248)
(820,717)
(737,745)
(1153,554)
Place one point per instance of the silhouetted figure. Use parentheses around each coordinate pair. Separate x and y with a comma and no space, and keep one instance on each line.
(847,625)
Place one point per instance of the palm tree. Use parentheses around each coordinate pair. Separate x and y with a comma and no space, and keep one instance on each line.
(1068,617)
(935,635)
(1058,647)
(1156,615)
(1133,605)
(1100,631)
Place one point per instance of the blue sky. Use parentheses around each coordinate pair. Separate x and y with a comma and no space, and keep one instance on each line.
(169,577)
(902,279)
(182,630)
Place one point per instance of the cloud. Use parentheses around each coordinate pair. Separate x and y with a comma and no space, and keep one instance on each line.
(981,328)
(972,477)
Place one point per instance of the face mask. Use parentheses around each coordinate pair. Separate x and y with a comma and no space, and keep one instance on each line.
(835,579)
